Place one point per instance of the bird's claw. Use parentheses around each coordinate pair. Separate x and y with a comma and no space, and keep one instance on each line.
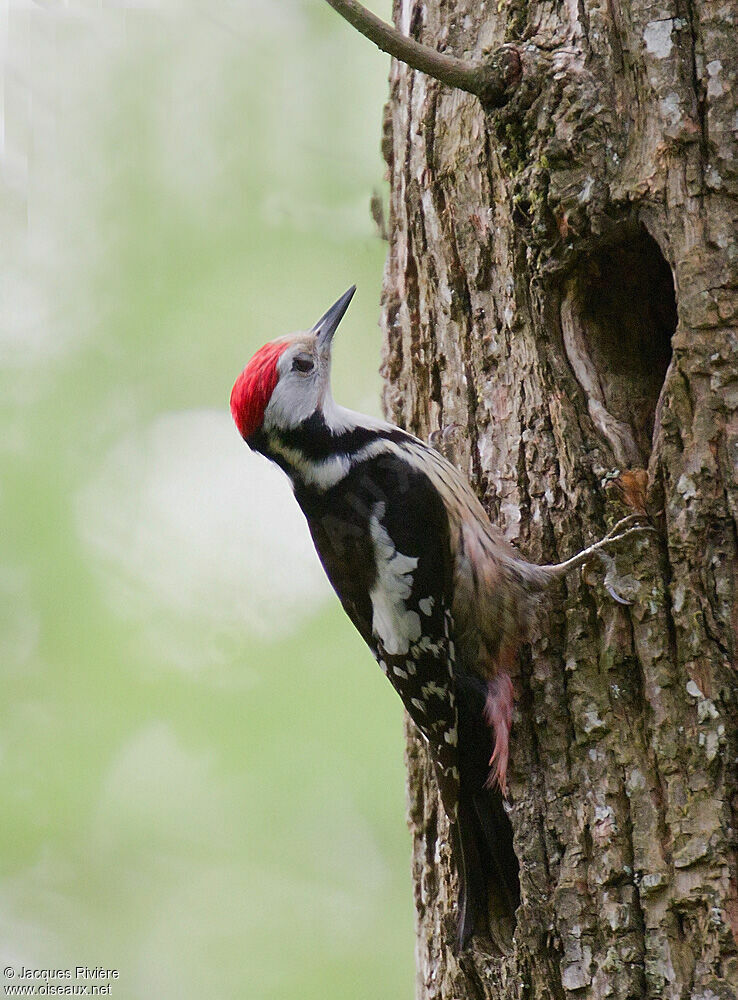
(615,596)
(623,523)
(445,441)
(613,583)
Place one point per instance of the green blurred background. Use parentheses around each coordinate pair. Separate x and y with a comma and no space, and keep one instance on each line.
(201,777)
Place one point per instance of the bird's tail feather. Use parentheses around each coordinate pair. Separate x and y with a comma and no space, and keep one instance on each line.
(489,892)
(472,900)
(482,837)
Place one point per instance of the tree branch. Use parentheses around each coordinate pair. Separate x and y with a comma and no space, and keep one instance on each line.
(492,80)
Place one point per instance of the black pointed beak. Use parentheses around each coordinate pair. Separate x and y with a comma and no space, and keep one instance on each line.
(328,323)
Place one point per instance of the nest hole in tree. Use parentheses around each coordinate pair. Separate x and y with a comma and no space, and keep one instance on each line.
(619,314)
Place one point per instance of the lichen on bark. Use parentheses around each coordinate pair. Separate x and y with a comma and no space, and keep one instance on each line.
(561,285)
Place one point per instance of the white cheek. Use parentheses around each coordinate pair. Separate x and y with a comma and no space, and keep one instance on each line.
(295,398)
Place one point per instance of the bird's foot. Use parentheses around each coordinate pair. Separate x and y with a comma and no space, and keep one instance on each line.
(625,528)
(446,442)
(620,588)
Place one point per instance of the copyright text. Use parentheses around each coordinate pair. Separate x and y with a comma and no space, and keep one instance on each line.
(80,981)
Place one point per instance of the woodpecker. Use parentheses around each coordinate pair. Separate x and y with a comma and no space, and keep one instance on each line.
(440,598)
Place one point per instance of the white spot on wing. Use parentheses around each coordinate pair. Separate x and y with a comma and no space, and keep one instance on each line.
(426,605)
(391,621)
(428,646)
(436,689)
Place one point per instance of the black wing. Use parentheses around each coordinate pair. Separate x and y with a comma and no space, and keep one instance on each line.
(388,510)
(383,539)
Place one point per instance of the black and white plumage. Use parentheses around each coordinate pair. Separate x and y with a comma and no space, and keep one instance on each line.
(438,596)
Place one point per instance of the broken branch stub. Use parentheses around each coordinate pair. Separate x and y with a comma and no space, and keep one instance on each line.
(493,80)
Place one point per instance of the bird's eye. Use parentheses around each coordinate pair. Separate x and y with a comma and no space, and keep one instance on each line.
(303,365)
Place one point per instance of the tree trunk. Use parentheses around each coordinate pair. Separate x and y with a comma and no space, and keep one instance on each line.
(561,292)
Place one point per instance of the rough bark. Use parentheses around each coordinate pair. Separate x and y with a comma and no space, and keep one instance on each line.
(561,287)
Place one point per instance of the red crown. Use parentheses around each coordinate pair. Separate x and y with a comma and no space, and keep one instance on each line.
(254,387)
